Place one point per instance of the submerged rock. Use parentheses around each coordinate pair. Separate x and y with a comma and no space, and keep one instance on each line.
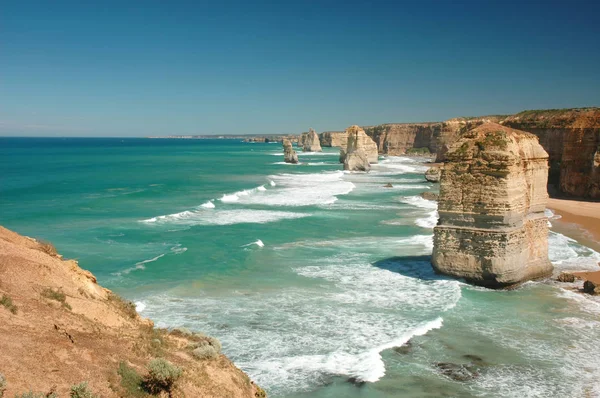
(591,288)
(289,155)
(433,174)
(311,142)
(492,230)
(566,277)
(388,185)
(430,195)
(457,372)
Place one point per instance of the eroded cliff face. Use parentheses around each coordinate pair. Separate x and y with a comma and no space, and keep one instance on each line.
(333,139)
(311,142)
(396,138)
(361,145)
(572,139)
(492,230)
(62,328)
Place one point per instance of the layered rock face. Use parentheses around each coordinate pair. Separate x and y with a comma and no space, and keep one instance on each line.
(492,230)
(311,142)
(289,155)
(334,139)
(301,139)
(572,139)
(452,129)
(357,140)
(395,139)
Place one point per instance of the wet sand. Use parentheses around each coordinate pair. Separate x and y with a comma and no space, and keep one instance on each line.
(580,221)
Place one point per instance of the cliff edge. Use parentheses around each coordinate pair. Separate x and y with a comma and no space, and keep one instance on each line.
(59,328)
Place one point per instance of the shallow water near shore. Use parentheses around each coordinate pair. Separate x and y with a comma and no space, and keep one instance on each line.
(317,281)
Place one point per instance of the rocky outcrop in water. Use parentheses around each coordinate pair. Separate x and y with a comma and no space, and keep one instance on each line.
(289,155)
(492,230)
(433,174)
(333,139)
(311,142)
(360,143)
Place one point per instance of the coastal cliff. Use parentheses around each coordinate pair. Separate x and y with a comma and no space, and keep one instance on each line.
(492,230)
(572,139)
(397,138)
(333,138)
(59,328)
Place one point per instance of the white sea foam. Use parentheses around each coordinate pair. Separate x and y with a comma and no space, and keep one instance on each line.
(566,253)
(258,243)
(337,325)
(261,188)
(139,266)
(208,205)
(223,217)
(302,190)
(140,306)
(272,183)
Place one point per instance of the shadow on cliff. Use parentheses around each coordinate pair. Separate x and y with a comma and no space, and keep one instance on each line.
(411,266)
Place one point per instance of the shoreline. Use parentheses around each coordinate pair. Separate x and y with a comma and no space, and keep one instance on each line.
(580,221)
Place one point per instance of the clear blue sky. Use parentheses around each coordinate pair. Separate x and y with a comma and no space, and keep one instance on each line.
(136,68)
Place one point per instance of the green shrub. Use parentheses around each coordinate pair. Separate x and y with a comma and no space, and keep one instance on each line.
(205,352)
(81,390)
(8,304)
(131,381)
(206,348)
(162,376)
(47,248)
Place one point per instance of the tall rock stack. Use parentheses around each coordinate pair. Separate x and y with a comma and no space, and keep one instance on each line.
(289,155)
(492,230)
(356,140)
(360,150)
(311,142)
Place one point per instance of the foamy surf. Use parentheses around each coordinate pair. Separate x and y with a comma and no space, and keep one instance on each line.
(223,217)
(258,243)
(208,205)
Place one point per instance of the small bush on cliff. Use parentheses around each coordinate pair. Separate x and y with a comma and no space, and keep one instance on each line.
(162,376)
(82,390)
(124,305)
(56,295)
(418,151)
(131,381)
(7,302)
(47,248)
(206,348)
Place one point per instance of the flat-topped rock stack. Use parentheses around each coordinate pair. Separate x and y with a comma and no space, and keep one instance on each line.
(289,155)
(360,150)
(334,138)
(311,143)
(492,230)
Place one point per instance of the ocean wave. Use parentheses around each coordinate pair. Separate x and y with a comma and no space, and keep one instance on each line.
(208,205)
(301,190)
(139,266)
(566,253)
(223,217)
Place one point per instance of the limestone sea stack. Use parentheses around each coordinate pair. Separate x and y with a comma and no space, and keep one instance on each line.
(311,142)
(358,140)
(360,150)
(492,230)
(289,155)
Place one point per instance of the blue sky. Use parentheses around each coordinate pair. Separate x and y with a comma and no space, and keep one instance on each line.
(240,67)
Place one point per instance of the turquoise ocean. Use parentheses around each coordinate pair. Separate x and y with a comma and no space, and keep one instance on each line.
(316,281)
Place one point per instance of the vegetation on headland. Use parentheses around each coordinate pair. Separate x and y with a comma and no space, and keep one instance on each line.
(418,151)
(7,303)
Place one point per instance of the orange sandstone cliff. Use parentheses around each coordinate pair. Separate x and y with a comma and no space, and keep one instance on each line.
(58,328)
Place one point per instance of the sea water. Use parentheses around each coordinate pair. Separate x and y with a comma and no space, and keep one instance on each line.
(318,282)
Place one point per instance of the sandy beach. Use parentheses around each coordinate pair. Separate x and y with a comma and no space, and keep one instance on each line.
(580,221)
